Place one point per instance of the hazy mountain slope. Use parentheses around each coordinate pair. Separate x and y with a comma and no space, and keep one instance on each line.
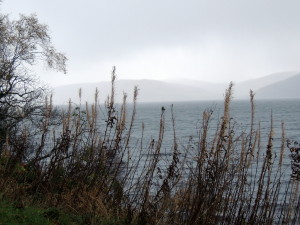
(62,94)
(288,88)
(212,87)
(242,89)
(279,85)
(149,91)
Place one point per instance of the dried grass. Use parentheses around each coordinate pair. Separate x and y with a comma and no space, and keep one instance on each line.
(69,160)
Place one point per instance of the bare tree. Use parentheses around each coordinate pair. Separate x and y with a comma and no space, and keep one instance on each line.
(23,43)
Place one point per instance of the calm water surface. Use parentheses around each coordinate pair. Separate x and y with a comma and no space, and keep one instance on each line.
(188,116)
(188,119)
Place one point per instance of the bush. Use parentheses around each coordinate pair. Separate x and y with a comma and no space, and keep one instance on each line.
(23,43)
(96,170)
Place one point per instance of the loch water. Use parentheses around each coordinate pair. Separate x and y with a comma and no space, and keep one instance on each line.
(188,116)
(188,122)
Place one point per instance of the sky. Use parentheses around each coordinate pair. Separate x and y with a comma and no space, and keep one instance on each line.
(205,40)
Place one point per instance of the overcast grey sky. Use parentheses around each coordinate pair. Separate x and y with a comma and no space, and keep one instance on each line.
(209,40)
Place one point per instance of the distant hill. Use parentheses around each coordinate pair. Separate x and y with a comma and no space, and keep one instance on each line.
(149,91)
(242,89)
(274,86)
(288,88)
(213,87)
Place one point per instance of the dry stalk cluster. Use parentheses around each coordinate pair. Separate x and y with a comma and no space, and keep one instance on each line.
(71,160)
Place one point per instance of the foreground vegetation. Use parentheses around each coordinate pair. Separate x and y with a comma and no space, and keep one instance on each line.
(23,215)
(69,161)
(84,165)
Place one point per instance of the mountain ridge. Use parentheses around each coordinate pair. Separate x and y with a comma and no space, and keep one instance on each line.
(278,86)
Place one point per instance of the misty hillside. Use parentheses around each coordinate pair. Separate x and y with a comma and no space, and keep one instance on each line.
(274,86)
(288,88)
(217,88)
(149,91)
(242,89)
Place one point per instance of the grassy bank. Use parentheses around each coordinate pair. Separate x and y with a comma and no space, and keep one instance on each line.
(68,162)
(13,213)
(18,214)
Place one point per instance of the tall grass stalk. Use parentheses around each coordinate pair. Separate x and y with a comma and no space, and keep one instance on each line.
(85,160)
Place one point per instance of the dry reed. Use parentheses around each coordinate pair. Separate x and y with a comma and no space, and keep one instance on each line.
(68,159)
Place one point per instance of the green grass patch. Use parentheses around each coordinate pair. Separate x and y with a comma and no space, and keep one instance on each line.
(12,215)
